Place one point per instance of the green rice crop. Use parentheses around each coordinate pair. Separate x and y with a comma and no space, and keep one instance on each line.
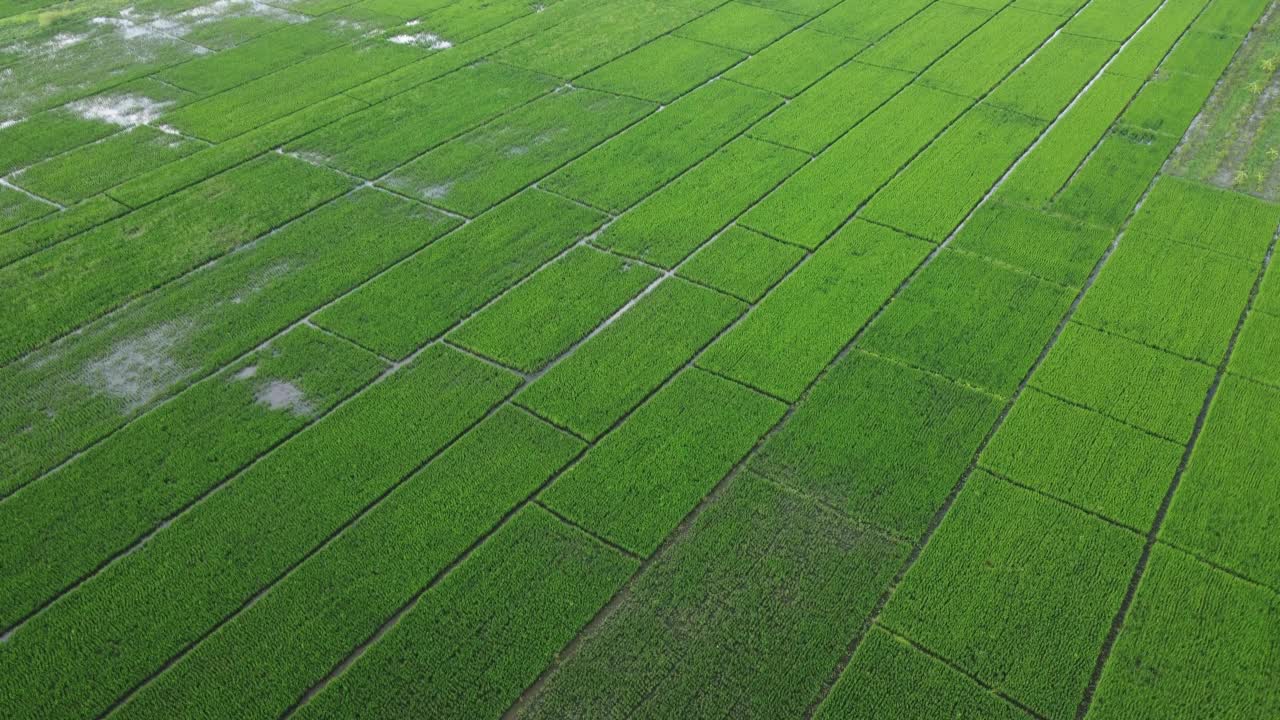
(1169,102)
(558,306)
(954,173)
(59,289)
(89,170)
(623,171)
(1127,380)
(154,467)
(1108,186)
(47,134)
(667,226)
(955,319)
(990,53)
(743,263)
(420,299)
(109,372)
(741,26)
(825,193)
(373,141)
(1145,51)
(784,343)
(53,229)
(268,53)
(869,19)
(17,209)
(1087,459)
(613,371)
(1204,216)
(800,7)
(637,504)
(481,168)
(925,37)
(662,70)
(310,621)
(115,631)
(1056,7)
(1194,638)
(881,442)
(1224,509)
(887,678)
(801,577)
(1112,19)
(1049,246)
(828,108)
(796,61)
(1259,345)
(1232,18)
(1048,82)
(474,642)
(1041,583)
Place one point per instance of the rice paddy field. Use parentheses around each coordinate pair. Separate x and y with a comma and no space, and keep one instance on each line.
(893,359)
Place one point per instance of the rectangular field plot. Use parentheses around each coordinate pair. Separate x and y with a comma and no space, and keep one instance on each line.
(1112,19)
(637,504)
(1185,211)
(925,37)
(743,263)
(1046,84)
(1055,248)
(1126,380)
(868,19)
(783,344)
(882,442)
(1149,47)
(423,297)
(17,208)
(53,228)
(1259,346)
(667,226)
(801,577)
(339,597)
(43,135)
(887,678)
(956,320)
(613,371)
(1109,184)
(796,61)
(1084,458)
(1224,509)
(1041,582)
(662,70)
(558,306)
(479,169)
(1195,637)
(536,582)
(745,27)
(990,53)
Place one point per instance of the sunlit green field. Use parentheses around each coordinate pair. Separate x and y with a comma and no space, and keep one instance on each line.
(885,359)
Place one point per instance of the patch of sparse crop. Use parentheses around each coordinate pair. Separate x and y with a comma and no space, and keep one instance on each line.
(227,33)
(1145,51)
(1224,509)
(827,109)
(740,26)
(869,19)
(1113,179)
(557,307)
(796,61)
(925,37)
(932,196)
(1185,211)
(1046,170)
(784,343)
(661,70)
(887,678)
(17,208)
(1041,583)
(473,643)
(1048,82)
(477,170)
(1158,293)
(882,442)
(274,51)
(154,467)
(97,379)
(73,282)
(1087,459)
(287,642)
(47,231)
(1259,346)
(423,297)
(1112,19)
(373,141)
(1124,379)
(801,577)
(674,221)
(270,97)
(116,630)
(1048,246)
(613,371)
(637,504)
(89,170)
(1194,638)
(825,193)
(589,40)
(742,263)
(206,163)
(972,320)
(623,171)
(46,134)
(990,53)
